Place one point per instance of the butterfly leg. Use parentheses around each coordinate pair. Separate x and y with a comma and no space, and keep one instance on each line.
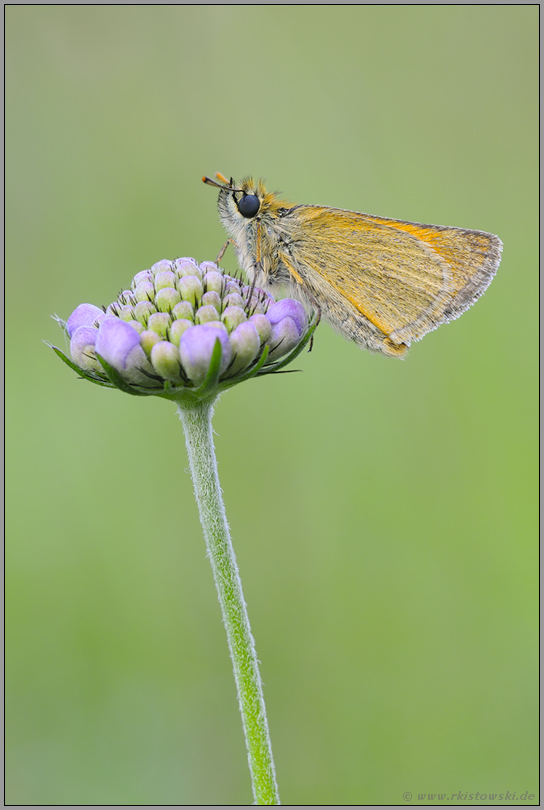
(223,249)
(257,267)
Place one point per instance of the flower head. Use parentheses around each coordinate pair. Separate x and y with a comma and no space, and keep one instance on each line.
(185,331)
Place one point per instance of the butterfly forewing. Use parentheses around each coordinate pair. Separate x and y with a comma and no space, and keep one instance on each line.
(403,277)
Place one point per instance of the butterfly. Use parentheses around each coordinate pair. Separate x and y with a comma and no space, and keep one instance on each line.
(380,282)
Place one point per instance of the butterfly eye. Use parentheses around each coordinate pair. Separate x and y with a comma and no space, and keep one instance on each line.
(249,205)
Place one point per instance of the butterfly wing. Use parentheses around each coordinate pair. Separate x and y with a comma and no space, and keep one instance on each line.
(385,282)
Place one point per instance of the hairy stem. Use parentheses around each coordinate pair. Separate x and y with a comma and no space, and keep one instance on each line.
(196,419)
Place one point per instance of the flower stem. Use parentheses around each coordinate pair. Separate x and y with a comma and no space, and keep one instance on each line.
(197,423)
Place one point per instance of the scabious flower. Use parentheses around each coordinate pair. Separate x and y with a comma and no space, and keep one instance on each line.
(185,331)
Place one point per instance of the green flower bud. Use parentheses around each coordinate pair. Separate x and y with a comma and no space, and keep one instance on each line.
(159,323)
(167,298)
(233,300)
(126,313)
(177,328)
(166,361)
(233,317)
(184,310)
(163,266)
(144,275)
(190,288)
(143,310)
(209,267)
(245,342)
(165,279)
(211,298)
(187,267)
(263,326)
(148,339)
(145,291)
(232,286)
(139,327)
(127,297)
(206,314)
(213,281)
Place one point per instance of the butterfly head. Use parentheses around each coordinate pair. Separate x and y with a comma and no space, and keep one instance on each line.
(243,202)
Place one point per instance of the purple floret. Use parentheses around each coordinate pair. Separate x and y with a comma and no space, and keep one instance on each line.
(83,315)
(119,345)
(196,347)
(288,308)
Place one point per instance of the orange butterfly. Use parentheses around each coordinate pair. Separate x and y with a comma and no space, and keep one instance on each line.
(379,282)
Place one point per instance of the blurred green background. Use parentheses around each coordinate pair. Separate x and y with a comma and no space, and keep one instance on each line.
(383,512)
